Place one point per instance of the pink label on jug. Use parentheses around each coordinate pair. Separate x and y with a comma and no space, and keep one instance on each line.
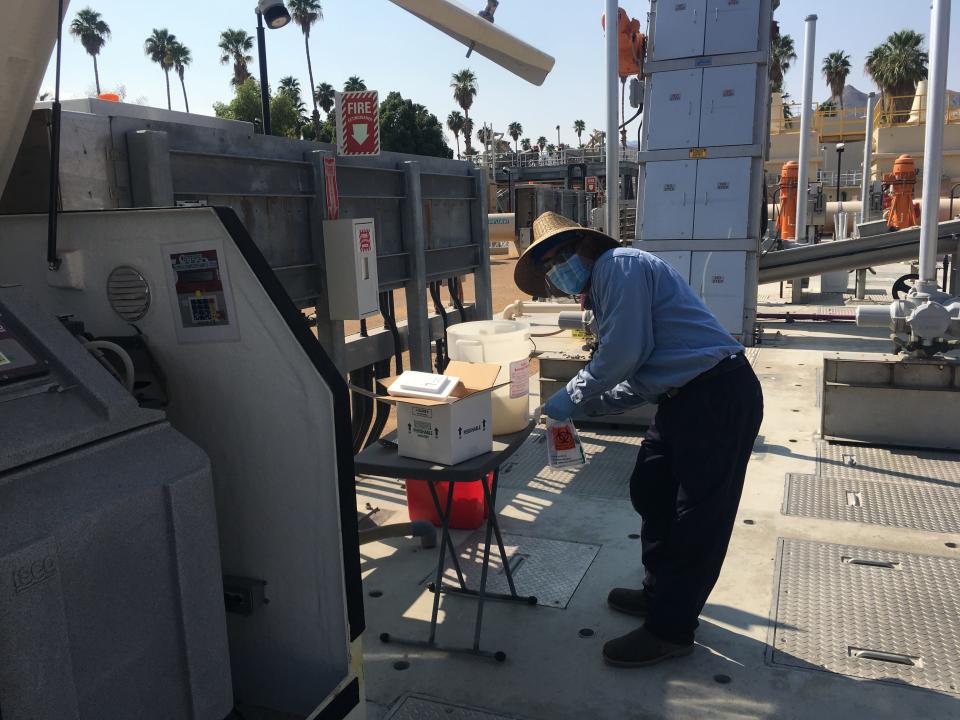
(519,378)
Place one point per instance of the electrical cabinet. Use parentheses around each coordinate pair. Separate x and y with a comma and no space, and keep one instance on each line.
(350,251)
(731,26)
(674,115)
(718,278)
(679,259)
(728,100)
(678,29)
(722,198)
(668,200)
(702,107)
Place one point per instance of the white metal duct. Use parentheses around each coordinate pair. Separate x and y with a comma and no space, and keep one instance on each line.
(483,37)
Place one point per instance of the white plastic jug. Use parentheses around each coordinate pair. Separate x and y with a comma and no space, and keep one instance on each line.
(506,342)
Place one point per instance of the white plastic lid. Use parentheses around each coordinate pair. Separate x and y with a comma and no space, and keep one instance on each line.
(423,385)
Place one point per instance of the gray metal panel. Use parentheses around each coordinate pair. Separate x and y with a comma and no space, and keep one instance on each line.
(678,29)
(412,707)
(674,114)
(723,199)
(889,617)
(727,104)
(862,462)
(668,200)
(914,505)
(611,456)
(731,27)
(550,570)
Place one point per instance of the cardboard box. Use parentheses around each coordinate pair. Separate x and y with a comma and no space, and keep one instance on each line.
(450,431)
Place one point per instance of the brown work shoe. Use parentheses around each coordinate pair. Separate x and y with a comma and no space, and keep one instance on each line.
(640,648)
(628,601)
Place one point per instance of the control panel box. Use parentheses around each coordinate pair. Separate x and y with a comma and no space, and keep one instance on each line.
(689,28)
(695,199)
(708,107)
(717,277)
(350,252)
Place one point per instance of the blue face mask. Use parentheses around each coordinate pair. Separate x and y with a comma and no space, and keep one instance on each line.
(570,276)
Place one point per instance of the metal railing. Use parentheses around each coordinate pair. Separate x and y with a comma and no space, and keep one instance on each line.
(533,158)
(900,110)
(848,123)
(851,178)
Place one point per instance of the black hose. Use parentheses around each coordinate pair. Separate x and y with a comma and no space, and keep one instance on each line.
(390,319)
(356,410)
(443,356)
(380,370)
(455,287)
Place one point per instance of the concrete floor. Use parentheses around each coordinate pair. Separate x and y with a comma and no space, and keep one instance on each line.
(553,673)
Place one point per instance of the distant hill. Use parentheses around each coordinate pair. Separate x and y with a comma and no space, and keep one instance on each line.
(853,98)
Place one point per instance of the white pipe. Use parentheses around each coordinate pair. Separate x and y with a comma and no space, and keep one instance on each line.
(867,158)
(806,101)
(612,23)
(519,308)
(933,140)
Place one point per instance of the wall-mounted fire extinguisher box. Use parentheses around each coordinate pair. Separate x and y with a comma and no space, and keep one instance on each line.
(350,251)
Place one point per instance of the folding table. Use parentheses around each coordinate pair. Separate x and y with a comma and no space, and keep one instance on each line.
(383,460)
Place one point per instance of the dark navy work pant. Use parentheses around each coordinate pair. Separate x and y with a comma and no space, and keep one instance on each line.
(686,487)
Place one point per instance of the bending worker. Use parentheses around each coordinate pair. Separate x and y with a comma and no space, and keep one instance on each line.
(658,343)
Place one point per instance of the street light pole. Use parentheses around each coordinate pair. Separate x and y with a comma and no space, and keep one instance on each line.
(264,90)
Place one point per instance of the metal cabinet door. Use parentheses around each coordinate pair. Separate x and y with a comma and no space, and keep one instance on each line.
(732,26)
(679,260)
(718,278)
(728,99)
(668,198)
(673,109)
(723,197)
(678,28)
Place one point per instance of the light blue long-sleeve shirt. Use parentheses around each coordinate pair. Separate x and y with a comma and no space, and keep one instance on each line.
(655,333)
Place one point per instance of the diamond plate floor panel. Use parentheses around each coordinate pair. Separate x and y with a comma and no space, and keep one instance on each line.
(413,707)
(611,453)
(884,616)
(859,462)
(551,570)
(901,504)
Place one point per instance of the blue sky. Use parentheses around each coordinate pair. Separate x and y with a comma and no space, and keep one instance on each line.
(392,50)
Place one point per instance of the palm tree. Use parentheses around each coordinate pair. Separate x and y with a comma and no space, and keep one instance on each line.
(551,148)
(92,32)
(455,124)
(180,57)
(782,53)
(483,135)
(897,66)
(467,133)
(515,130)
(158,47)
(579,127)
(290,86)
(305,13)
(542,142)
(354,84)
(836,67)
(325,95)
(234,46)
(464,84)
(526,144)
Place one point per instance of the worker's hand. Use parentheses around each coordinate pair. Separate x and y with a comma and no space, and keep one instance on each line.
(560,406)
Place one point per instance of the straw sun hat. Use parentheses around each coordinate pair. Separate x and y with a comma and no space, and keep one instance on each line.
(549,231)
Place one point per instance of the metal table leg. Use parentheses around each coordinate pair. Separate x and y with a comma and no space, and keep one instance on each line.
(492,528)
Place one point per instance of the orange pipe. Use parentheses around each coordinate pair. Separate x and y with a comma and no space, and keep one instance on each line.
(787,220)
(902,213)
